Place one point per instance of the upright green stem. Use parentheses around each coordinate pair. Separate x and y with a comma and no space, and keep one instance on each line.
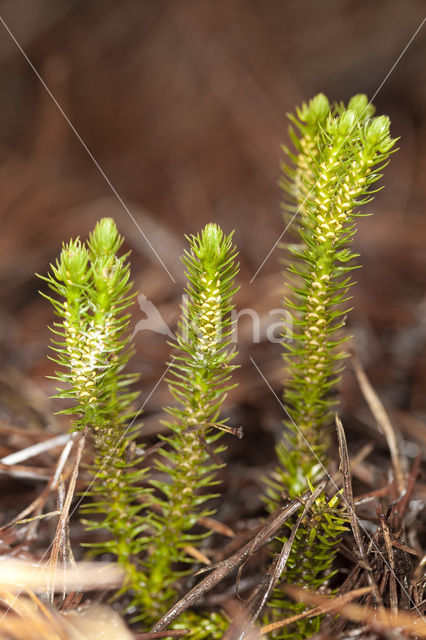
(92,283)
(199,381)
(329,177)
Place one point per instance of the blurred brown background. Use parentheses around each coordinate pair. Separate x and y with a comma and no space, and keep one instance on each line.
(182,103)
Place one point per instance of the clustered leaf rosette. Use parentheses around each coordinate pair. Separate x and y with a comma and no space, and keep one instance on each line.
(199,379)
(339,153)
(90,344)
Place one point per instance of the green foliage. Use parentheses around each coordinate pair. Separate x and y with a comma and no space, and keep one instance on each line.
(150,519)
(339,154)
(199,379)
(149,529)
(90,347)
(93,288)
(210,626)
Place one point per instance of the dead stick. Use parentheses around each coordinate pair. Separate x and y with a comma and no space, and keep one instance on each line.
(168,633)
(266,533)
(40,501)
(391,558)
(329,604)
(380,414)
(349,499)
(380,618)
(236,630)
(400,508)
(285,552)
(60,529)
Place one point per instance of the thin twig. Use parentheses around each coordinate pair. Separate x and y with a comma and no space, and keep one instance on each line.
(40,501)
(391,557)
(36,449)
(23,471)
(401,506)
(349,499)
(382,418)
(285,551)
(62,522)
(262,537)
(90,576)
(243,623)
(380,617)
(328,604)
(168,633)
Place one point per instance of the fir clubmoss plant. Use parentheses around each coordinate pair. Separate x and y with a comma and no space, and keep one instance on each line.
(152,517)
(93,289)
(339,153)
(150,537)
(200,378)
